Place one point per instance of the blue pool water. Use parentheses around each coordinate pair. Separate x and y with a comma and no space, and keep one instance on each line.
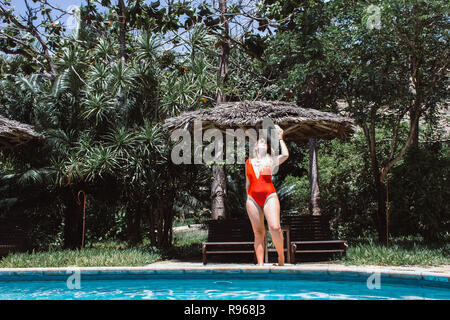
(217,288)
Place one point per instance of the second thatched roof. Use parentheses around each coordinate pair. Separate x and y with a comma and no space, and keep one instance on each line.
(298,123)
(14,133)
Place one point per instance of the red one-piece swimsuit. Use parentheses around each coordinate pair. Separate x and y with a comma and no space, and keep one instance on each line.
(260,188)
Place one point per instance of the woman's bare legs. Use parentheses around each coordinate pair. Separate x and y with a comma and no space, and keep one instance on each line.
(272,213)
(256,216)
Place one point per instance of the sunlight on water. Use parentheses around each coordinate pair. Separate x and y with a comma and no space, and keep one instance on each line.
(236,289)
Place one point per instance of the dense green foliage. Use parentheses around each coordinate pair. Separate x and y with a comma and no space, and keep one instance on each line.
(420,193)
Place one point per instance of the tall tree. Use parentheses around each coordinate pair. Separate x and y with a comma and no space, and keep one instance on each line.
(218,178)
(298,56)
(314,207)
(100,116)
(22,36)
(122,29)
(385,76)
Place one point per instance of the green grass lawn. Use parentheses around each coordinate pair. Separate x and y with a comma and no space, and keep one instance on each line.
(394,256)
(401,251)
(187,246)
(88,257)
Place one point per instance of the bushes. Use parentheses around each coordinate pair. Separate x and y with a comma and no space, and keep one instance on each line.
(418,190)
(419,193)
(345,187)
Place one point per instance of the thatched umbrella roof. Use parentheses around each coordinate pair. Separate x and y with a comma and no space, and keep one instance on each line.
(14,133)
(298,123)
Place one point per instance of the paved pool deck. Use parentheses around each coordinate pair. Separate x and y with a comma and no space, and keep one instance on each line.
(176,264)
(438,273)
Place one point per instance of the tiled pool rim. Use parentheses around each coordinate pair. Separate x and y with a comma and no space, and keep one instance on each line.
(332,272)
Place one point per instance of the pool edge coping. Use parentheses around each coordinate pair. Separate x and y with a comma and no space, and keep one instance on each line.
(333,271)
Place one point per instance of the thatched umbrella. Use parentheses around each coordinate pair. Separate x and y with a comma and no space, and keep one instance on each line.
(14,133)
(299,124)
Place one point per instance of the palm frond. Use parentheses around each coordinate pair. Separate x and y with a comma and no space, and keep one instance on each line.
(121,140)
(121,78)
(147,46)
(99,162)
(60,140)
(35,176)
(152,138)
(97,106)
(105,49)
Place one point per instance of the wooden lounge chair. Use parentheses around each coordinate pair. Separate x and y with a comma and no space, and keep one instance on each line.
(311,235)
(229,236)
(12,237)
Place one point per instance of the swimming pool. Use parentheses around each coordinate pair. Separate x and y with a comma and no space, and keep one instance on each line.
(215,285)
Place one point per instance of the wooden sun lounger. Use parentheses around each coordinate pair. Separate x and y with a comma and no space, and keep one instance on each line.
(229,236)
(312,235)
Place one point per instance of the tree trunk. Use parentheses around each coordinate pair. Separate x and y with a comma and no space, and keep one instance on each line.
(314,206)
(72,220)
(122,31)
(378,186)
(218,192)
(415,137)
(160,222)
(381,201)
(218,184)
(413,83)
(137,219)
(225,44)
(134,234)
(164,223)
(151,222)
(168,219)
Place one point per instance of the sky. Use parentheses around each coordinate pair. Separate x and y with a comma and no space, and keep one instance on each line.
(20,9)
(63,4)
(68,21)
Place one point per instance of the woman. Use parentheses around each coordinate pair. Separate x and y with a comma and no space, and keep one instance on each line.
(262,199)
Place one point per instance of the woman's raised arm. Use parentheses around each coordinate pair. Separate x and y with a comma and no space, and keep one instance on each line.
(284,150)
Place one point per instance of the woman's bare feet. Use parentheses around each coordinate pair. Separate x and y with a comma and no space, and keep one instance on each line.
(280,262)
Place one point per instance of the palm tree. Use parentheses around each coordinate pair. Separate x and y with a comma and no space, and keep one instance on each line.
(102,121)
